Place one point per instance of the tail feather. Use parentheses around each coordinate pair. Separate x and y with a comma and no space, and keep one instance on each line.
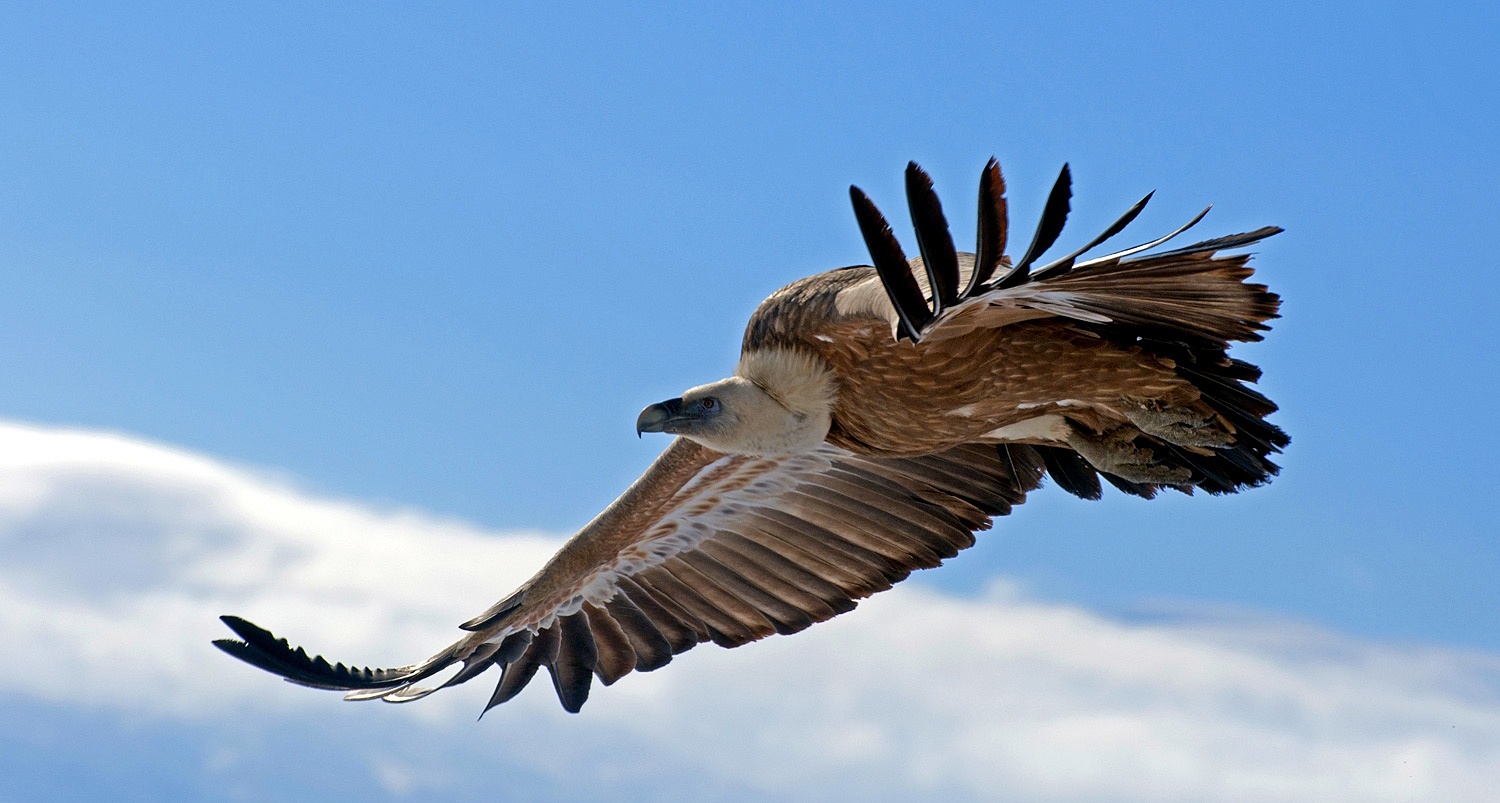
(1221,384)
(1071,472)
(1143,490)
(1198,297)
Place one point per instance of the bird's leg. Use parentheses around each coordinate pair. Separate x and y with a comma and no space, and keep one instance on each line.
(1177,424)
(1114,451)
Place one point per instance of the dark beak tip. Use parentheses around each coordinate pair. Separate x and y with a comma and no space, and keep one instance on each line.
(657,417)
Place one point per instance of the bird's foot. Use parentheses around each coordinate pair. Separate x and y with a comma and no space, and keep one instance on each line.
(1181,426)
(1115,452)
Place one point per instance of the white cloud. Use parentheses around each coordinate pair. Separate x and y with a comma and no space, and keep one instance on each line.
(120,554)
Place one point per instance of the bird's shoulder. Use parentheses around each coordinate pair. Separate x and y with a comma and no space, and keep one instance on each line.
(798,311)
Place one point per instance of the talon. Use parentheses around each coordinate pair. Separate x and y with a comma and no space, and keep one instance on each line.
(1180,426)
(1115,452)
(1155,474)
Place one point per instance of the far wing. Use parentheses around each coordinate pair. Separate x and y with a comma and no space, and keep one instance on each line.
(704,547)
(1184,307)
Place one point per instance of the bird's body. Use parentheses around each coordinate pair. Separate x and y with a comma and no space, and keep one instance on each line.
(877,418)
(902,398)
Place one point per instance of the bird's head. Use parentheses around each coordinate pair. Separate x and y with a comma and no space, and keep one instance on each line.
(776,403)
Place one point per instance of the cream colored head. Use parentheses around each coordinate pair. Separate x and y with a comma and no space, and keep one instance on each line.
(778,402)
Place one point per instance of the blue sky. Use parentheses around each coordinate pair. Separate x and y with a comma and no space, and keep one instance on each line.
(437,259)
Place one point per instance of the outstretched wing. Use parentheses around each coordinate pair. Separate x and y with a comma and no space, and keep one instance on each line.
(1185,306)
(703,547)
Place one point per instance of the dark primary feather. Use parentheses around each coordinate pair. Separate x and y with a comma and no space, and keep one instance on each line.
(541,649)
(891,265)
(1136,249)
(1224,243)
(573,668)
(933,240)
(1062,265)
(993,223)
(1054,216)
(616,657)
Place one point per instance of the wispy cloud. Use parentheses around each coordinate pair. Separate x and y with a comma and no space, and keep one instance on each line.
(121,553)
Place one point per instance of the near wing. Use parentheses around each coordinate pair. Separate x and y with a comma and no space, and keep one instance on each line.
(703,547)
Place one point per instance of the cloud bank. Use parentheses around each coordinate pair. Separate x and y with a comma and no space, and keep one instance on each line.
(120,554)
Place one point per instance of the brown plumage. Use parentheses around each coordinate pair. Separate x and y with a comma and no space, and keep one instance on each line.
(871,428)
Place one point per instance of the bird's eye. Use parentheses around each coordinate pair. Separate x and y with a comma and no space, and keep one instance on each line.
(708,403)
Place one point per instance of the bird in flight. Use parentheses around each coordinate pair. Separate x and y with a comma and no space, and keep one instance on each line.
(878,417)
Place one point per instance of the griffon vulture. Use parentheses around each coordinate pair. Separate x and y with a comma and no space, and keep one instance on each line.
(878,417)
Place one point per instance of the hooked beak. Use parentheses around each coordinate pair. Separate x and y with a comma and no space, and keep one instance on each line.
(662,417)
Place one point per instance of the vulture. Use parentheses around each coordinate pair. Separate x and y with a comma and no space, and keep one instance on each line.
(878,417)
